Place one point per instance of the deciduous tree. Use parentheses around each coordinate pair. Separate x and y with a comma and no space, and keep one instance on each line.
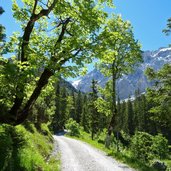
(119,53)
(54,32)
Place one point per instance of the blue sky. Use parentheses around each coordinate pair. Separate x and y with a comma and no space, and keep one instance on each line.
(148,18)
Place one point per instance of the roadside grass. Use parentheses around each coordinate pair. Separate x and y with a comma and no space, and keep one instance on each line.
(26,148)
(168,163)
(124,156)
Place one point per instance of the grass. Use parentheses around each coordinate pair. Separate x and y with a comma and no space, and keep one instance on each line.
(168,162)
(21,149)
(124,156)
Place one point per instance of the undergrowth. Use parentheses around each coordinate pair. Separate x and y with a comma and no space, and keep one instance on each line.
(24,150)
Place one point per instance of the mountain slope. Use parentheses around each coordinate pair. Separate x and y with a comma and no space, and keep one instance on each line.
(67,85)
(127,85)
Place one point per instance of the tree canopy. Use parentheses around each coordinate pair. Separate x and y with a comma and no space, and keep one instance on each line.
(53,33)
(119,53)
(160,95)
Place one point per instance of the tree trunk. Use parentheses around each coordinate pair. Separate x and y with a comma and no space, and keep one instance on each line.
(23,113)
(15,109)
(113,108)
(47,73)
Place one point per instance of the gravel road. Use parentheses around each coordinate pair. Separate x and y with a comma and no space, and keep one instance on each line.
(79,156)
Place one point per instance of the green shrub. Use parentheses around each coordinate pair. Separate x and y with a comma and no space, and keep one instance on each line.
(102,136)
(147,147)
(160,146)
(73,128)
(141,145)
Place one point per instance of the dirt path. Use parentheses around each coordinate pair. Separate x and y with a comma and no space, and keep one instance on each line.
(79,156)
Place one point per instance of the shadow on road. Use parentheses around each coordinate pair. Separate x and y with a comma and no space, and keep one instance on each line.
(61,132)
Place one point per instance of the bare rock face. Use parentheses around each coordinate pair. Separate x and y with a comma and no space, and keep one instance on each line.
(127,85)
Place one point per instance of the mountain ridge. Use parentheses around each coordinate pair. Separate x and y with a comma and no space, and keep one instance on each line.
(127,84)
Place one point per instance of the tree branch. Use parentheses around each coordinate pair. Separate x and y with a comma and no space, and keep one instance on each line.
(65,23)
(47,73)
(28,30)
(25,42)
(35,5)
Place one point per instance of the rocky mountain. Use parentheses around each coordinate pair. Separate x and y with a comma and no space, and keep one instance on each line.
(127,85)
(68,86)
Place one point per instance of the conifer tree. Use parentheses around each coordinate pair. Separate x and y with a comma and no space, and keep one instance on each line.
(160,96)
(93,109)
(137,110)
(63,106)
(70,109)
(144,120)
(79,104)
(85,115)
(130,115)
(73,110)
(56,122)
(123,117)
(119,114)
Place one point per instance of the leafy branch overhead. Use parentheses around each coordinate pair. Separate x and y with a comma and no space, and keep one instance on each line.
(168,29)
(54,32)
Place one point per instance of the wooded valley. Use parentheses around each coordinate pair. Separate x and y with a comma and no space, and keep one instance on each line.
(56,41)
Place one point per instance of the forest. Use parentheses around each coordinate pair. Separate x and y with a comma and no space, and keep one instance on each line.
(57,40)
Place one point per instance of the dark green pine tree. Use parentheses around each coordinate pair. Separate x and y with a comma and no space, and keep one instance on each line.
(59,119)
(123,117)
(141,117)
(160,96)
(73,109)
(150,124)
(144,114)
(56,122)
(130,115)
(137,110)
(119,115)
(78,107)
(85,116)
(93,109)
(63,105)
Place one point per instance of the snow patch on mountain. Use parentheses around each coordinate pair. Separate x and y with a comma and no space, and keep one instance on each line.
(76,83)
(127,84)
(161,51)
